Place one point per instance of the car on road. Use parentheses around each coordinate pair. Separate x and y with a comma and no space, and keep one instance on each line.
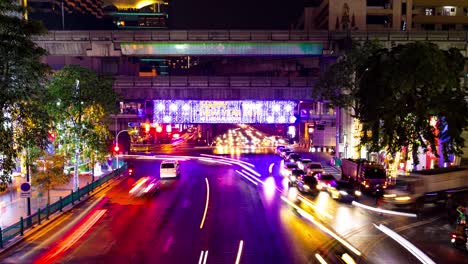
(293,157)
(313,168)
(307,184)
(285,155)
(169,169)
(325,181)
(145,186)
(295,174)
(287,168)
(278,148)
(282,151)
(302,164)
(345,191)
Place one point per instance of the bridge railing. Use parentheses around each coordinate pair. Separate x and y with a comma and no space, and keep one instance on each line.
(248,35)
(212,81)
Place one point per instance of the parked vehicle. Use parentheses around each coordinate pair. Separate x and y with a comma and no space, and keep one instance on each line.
(370,175)
(427,186)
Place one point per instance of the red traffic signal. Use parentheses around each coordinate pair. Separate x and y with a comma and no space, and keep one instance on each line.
(116,148)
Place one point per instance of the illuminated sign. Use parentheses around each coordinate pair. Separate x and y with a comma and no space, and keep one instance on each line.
(222,48)
(227,112)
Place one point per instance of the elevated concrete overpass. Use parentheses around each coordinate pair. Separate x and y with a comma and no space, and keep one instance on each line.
(228,42)
(214,88)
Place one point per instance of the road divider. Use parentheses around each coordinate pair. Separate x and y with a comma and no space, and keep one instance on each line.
(406,244)
(382,211)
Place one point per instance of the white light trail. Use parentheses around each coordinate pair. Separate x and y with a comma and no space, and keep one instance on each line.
(246,177)
(383,211)
(406,244)
(320,259)
(322,227)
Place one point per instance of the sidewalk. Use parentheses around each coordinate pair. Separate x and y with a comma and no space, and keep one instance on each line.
(12,206)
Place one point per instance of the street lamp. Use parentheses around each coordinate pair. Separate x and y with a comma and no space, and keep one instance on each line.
(117,147)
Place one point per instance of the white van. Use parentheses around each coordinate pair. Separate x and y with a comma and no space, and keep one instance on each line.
(169,169)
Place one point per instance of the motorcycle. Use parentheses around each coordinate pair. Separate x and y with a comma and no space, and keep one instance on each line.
(459,237)
(130,170)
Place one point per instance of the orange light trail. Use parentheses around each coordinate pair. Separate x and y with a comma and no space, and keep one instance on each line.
(53,254)
(206,204)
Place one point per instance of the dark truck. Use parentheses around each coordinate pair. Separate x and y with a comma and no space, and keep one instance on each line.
(371,176)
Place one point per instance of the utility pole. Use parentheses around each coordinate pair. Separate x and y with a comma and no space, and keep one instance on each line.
(63,17)
(76,179)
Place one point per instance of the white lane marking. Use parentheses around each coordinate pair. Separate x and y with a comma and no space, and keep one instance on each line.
(406,244)
(239,252)
(206,204)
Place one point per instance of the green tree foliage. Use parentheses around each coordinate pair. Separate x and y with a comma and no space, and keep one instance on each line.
(81,111)
(23,123)
(49,174)
(404,88)
(398,93)
(340,83)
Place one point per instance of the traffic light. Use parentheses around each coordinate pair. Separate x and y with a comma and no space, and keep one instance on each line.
(116,148)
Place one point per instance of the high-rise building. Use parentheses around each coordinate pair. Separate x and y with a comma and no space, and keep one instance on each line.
(378,15)
(134,14)
(66,14)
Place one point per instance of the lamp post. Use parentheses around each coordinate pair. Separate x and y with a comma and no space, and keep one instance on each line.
(117,144)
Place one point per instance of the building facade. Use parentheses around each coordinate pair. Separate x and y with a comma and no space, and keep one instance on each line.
(138,14)
(387,15)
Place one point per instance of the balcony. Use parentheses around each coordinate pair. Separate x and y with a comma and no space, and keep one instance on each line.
(422,19)
(432,3)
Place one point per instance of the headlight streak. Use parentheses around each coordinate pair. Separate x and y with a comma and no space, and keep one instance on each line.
(320,259)
(239,252)
(313,206)
(322,227)
(406,244)
(229,159)
(246,177)
(206,205)
(383,211)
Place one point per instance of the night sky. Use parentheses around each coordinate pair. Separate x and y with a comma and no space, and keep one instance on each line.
(240,14)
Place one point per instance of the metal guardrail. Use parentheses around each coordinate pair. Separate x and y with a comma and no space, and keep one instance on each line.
(248,35)
(212,81)
(17,229)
